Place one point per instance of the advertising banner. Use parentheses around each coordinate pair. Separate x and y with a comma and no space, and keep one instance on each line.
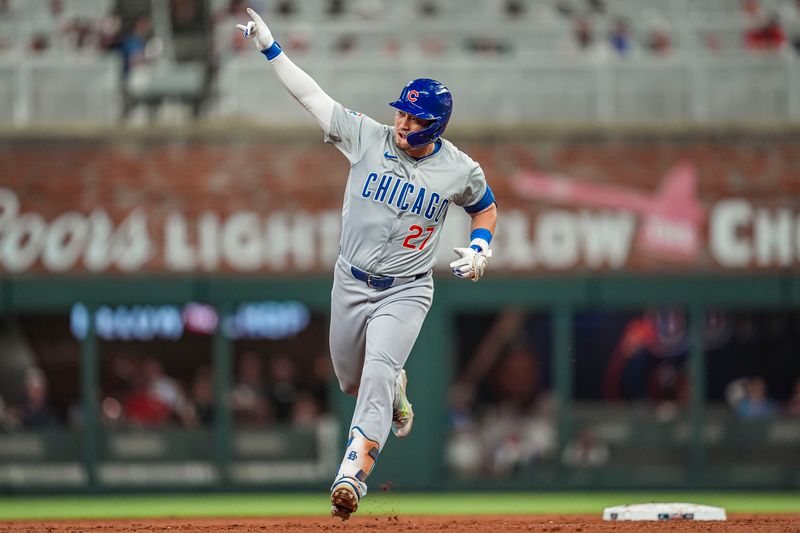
(658,204)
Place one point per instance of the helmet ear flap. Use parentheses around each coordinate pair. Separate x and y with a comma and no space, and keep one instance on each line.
(427,135)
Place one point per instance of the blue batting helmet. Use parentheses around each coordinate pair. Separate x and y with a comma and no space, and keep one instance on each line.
(429,100)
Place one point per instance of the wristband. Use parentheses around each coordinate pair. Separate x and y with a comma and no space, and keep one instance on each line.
(273,51)
(480,239)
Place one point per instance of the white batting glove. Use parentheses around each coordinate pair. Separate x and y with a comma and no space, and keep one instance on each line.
(472,264)
(257,29)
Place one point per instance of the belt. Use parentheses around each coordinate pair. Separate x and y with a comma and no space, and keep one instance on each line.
(377,281)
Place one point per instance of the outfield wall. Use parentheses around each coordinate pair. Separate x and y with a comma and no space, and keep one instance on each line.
(701,445)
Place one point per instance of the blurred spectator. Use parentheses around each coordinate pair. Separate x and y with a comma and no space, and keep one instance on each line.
(111,412)
(749,398)
(649,359)
(659,42)
(35,411)
(514,9)
(768,36)
(234,8)
(120,384)
(286,8)
(464,453)
(186,16)
(134,44)
(596,6)
(585,450)
(248,397)
(203,396)
(515,380)
(335,8)
(39,43)
(297,41)
(108,32)
(82,34)
(513,441)
(751,8)
(584,41)
(282,387)
(345,44)
(162,386)
(155,399)
(565,8)
(226,37)
(620,38)
(56,7)
(142,407)
(305,410)
(669,387)
(508,454)
(485,45)
(431,46)
(370,9)
(638,342)
(123,370)
(583,34)
(428,9)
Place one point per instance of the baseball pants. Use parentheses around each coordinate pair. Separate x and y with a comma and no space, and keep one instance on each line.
(371,336)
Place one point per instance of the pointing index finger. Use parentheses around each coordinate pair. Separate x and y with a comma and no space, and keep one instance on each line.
(255,16)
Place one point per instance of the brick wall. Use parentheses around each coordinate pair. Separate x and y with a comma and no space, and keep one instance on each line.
(160,176)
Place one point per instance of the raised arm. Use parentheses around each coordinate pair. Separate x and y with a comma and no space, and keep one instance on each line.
(299,84)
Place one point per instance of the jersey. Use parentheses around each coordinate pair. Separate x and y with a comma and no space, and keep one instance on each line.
(394,205)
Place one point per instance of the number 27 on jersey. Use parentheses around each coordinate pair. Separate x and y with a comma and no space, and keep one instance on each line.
(414,241)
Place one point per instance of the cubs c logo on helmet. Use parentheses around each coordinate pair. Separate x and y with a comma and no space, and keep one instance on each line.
(412,95)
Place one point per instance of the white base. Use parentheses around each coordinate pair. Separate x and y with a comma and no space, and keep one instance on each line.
(664,511)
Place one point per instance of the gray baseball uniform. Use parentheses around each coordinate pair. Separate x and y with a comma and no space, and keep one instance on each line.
(394,208)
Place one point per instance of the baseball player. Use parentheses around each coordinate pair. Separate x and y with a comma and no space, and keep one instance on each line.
(403,179)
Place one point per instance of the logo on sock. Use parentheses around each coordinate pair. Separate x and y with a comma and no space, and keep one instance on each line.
(352,456)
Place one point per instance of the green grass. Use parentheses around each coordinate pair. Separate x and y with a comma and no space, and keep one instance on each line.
(268,504)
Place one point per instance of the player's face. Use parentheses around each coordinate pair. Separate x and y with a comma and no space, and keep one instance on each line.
(405,124)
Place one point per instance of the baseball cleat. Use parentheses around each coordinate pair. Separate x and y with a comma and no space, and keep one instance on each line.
(402,413)
(344,501)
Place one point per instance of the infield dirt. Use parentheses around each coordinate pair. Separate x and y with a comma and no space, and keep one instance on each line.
(478,524)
